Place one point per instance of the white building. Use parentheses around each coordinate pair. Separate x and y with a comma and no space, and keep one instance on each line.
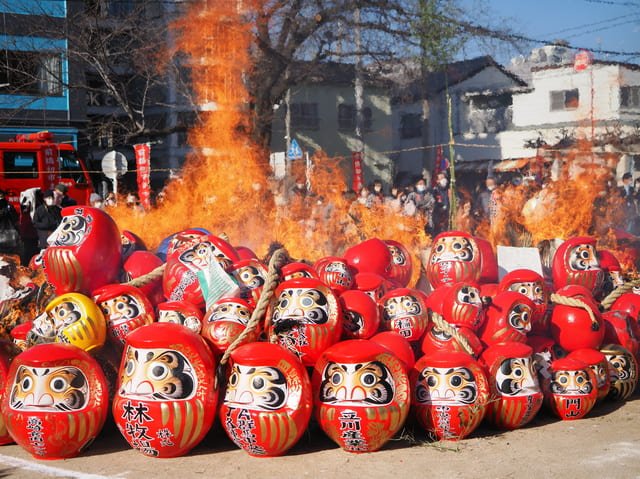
(481,108)
(598,104)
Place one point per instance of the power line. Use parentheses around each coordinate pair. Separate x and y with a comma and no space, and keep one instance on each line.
(592,24)
(609,2)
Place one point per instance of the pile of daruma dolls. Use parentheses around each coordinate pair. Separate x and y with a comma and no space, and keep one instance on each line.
(344,338)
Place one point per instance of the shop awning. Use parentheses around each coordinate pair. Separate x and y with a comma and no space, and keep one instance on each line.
(512,165)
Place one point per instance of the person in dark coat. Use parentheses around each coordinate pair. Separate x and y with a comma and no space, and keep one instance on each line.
(47,218)
(9,235)
(61,197)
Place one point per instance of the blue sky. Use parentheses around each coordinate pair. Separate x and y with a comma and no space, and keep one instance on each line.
(595,24)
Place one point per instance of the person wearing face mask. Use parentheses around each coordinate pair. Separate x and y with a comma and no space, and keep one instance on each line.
(423,201)
(377,192)
(484,199)
(47,218)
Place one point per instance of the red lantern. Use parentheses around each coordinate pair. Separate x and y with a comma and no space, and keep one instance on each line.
(165,402)
(516,393)
(361,393)
(84,252)
(573,327)
(181,312)
(370,256)
(576,262)
(305,318)
(599,365)
(225,321)
(55,400)
(401,263)
(268,402)
(361,315)
(335,273)
(450,393)
(454,257)
(531,284)
(508,318)
(404,312)
(623,371)
(125,308)
(571,390)
(139,263)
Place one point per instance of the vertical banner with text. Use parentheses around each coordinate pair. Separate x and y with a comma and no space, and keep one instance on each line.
(143,165)
(358,181)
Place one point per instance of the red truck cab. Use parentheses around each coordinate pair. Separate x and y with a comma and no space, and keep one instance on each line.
(36,161)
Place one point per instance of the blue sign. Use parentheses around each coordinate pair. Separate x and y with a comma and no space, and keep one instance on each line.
(295,152)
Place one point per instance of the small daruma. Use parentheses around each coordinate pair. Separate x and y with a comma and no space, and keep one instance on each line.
(55,400)
(516,393)
(454,257)
(450,393)
(267,401)
(571,390)
(361,394)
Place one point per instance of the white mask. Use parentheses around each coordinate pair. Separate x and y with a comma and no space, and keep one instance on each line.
(421,188)
(442,182)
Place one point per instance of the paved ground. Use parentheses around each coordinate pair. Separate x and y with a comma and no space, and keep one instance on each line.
(604,445)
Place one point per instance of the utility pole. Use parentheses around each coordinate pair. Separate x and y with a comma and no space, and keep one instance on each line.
(358,87)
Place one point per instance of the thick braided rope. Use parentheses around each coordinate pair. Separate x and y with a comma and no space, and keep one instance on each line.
(619,291)
(577,303)
(273,276)
(149,277)
(445,326)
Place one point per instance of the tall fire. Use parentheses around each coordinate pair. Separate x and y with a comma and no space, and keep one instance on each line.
(226,185)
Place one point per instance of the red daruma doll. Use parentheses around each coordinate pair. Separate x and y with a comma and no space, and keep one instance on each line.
(305,318)
(516,393)
(404,311)
(165,400)
(571,390)
(361,394)
(450,393)
(454,257)
(267,402)
(55,400)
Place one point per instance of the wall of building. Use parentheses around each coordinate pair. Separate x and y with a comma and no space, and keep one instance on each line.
(333,141)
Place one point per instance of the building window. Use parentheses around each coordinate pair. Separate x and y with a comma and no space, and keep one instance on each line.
(411,126)
(304,116)
(491,102)
(31,73)
(565,100)
(347,117)
(630,97)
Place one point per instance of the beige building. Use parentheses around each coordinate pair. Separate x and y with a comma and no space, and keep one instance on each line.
(323,118)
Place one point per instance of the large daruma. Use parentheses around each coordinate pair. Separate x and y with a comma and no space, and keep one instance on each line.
(165,400)
(267,402)
(55,400)
(361,394)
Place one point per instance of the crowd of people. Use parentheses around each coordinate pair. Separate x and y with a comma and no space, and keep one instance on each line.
(25,231)
(431,202)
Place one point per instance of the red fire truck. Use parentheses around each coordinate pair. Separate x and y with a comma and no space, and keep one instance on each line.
(36,161)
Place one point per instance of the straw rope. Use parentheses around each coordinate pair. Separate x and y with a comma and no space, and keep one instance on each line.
(149,277)
(619,291)
(276,262)
(451,330)
(576,303)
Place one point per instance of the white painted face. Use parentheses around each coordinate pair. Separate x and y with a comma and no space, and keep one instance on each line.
(516,377)
(59,389)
